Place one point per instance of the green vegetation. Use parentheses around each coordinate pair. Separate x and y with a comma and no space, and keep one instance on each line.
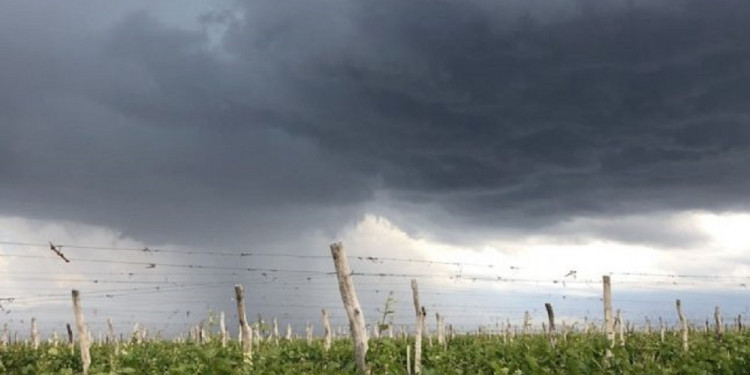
(578,354)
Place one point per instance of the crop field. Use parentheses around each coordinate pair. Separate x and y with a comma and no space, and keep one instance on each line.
(572,353)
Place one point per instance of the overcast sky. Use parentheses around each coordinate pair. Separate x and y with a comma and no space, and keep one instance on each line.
(536,136)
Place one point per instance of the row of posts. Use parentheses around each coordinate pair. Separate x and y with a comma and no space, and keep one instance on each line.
(358,331)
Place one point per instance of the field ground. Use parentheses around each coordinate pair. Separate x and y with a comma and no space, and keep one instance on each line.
(577,353)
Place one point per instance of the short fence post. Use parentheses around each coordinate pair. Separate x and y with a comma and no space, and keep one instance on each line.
(34,334)
(247,337)
(684,324)
(719,324)
(327,330)
(440,330)
(551,318)
(223,329)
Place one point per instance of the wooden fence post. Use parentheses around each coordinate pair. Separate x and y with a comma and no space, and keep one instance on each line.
(425,328)
(408,358)
(509,331)
(609,322)
(309,333)
(244,328)
(83,336)
(662,329)
(110,332)
(621,327)
(684,325)
(440,330)
(70,335)
(327,330)
(417,328)
(34,334)
(526,322)
(551,318)
(739,323)
(275,330)
(357,325)
(223,329)
(719,324)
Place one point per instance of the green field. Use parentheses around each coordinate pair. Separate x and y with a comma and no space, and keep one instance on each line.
(578,353)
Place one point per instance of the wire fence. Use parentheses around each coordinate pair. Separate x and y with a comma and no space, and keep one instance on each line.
(174,288)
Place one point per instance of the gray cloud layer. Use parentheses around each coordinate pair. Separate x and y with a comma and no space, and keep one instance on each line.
(303,112)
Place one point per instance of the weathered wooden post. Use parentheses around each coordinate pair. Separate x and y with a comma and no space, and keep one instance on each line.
(110,332)
(83,337)
(684,325)
(327,330)
(417,328)
(244,328)
(275,330)
(620,327)
(34,334)
(257,336)
(111,337)
(223,329)
(309,333)
(551,318)
(609,322)
(509,331)
(440,330)
(54,340)
(739,323)
(662,329)
(526,322)
(426,327)
(357,325)
(408,358)
(719,324)
(70,335)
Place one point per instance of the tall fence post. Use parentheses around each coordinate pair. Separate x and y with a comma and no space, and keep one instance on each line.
(417,328)
(609,321)
(357,325)
(247,337)
(83,336)
(327,330)
(719,324)
(684,324)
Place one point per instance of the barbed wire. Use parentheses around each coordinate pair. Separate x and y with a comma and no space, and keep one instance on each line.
(299,283)
(364,258)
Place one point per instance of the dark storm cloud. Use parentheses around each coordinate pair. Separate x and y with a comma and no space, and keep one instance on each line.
(482,114)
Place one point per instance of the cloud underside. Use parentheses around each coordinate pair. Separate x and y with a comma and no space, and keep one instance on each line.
(273,119)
